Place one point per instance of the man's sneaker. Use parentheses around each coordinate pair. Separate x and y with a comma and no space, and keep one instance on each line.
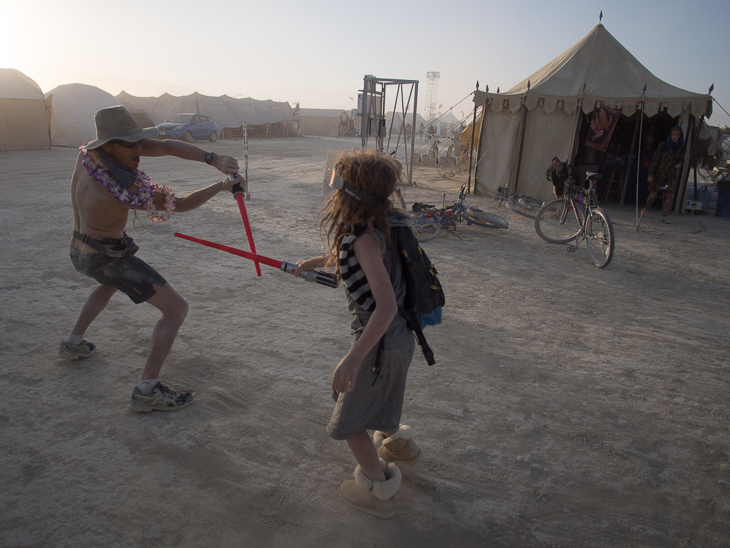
(160,399)
(666,221)
(76,351)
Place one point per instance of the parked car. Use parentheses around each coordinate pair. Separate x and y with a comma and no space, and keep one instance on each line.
(189,127)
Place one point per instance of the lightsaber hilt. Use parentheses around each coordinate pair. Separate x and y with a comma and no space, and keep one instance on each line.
(237,188)
(315,276)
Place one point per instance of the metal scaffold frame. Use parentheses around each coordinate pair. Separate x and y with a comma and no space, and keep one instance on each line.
(371,104)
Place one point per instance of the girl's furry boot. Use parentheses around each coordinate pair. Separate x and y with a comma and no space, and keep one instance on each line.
(398,446)
(376,498)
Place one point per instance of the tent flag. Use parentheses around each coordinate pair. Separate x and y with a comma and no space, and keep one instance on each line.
(603,123)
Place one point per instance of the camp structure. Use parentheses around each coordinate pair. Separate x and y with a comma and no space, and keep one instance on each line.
(394,121)
(71,109)
(226,112)
(23,124)
(443,122)
(324,122)
(141,116)
(584,107)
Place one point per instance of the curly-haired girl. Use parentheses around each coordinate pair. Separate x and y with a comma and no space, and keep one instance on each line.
(369,382)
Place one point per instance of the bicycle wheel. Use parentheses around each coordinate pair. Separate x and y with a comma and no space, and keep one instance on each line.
(524,205)
(482,218)
(599,238)
(425,229)
(556,223)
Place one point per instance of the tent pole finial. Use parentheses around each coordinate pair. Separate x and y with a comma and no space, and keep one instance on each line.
(477,84)
(600,16)
(487,88)
(709,91)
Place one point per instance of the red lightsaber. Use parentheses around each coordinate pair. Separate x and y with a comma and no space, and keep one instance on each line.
(316,276)
(238,194)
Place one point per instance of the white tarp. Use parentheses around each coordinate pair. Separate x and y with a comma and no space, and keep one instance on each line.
(72,108)
(225,111)
(541,111)
(23,124)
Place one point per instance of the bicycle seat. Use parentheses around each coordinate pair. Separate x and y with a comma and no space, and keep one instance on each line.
(593,176)
(420,206)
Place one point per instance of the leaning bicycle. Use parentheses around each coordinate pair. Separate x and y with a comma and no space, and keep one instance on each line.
(577,217)
(428,220)
(519,203)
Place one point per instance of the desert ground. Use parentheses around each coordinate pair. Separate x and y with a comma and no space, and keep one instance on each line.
(569,405)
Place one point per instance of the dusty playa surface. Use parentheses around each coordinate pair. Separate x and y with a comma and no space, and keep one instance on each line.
(569,405)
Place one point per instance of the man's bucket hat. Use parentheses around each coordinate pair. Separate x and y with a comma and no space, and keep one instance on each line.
(116,123)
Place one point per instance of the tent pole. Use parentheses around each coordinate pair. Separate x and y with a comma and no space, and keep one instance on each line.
(479,145)
(684,174)
(471,146)
(628,163)
(520,144)
(573,153)
(638,154)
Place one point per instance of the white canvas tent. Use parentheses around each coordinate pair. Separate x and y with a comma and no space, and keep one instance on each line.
(71,109)
(23,124)
(440,120)
(323,121)
(538,118)
(225,111)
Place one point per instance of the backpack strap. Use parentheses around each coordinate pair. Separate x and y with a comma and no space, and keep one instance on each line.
(413,325)
(410,316)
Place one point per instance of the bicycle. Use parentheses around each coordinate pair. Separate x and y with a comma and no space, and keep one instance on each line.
(432,220)
(519,203)
(577,216)
(433,152)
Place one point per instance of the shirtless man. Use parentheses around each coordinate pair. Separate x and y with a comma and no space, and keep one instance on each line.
(104,187)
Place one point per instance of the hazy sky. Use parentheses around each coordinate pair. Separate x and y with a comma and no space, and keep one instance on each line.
(317,52)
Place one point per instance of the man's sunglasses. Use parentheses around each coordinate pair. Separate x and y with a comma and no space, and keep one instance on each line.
(127,144)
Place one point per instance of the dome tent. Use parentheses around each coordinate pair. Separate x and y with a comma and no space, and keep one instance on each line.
(23,124)
(72,108)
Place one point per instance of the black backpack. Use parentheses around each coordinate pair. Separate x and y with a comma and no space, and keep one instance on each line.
(424,295)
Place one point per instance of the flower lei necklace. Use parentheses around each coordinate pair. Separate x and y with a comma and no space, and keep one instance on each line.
(142,198)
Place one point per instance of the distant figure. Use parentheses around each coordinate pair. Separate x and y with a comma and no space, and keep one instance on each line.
(408,131)
(105,186)
(663,171)
(421,131)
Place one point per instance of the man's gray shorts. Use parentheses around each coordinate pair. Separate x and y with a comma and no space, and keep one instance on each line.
(128,274)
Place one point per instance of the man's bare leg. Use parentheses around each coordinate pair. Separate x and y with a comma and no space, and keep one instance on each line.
(150,394)
(95,303)
(74,346)
(174,309)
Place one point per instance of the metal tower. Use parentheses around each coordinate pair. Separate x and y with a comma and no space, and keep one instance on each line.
(432,88)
